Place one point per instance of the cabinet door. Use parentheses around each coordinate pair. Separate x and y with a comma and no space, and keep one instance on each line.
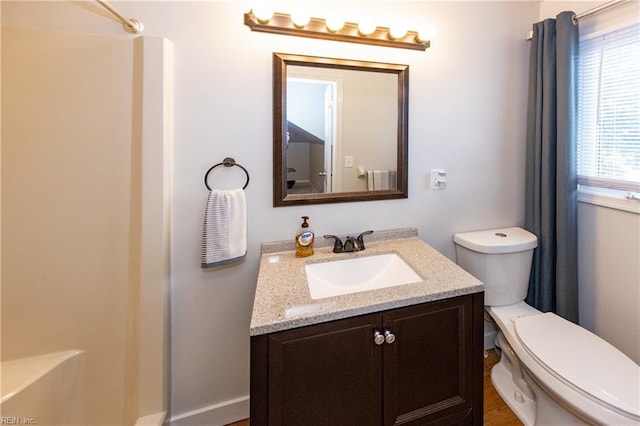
(428,369)
(326,374)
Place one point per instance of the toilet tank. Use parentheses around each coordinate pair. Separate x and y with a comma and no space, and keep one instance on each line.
(501,259)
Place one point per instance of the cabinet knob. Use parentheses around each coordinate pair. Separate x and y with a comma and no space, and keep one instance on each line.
(389,337)
(378,338)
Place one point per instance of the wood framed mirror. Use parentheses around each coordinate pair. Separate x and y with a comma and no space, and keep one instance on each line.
(340,130)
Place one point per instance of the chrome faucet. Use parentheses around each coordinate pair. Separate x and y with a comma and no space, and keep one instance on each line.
(350,244)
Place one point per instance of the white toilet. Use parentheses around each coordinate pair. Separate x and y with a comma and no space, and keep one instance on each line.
(551,371)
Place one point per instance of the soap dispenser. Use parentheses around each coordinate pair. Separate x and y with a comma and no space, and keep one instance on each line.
(304,239)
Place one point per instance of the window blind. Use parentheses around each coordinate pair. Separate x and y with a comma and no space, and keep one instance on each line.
(608,127)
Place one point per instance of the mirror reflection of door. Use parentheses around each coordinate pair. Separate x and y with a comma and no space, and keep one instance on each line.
(312,110)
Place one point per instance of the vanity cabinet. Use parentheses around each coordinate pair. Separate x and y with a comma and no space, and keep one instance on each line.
(415,365)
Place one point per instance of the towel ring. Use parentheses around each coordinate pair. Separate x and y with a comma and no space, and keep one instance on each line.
(227,162)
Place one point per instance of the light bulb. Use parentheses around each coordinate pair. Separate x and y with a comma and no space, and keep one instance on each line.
(300,18)
(366,27)
(263,12)
(426,33)
(335,22)
(397,30)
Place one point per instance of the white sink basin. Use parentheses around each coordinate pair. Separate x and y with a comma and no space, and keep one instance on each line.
(338,277)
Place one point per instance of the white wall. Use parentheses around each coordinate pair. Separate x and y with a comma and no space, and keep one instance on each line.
(466,114)
(369,126)
(609,273)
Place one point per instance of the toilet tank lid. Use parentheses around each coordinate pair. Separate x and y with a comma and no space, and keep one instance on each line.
(495,241)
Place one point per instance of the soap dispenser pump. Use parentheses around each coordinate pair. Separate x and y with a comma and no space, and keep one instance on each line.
(304,239)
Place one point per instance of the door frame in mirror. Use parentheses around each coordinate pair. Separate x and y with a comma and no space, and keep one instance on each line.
(280,196)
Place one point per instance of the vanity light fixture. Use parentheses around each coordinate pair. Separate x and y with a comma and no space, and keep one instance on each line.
(333,29)
(300,18)
(366,27)
(399,30)
(426,33)
(263,13)
(334,22)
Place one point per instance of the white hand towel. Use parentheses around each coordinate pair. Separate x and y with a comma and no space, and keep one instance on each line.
(370,186)
(381,179)
(378,180)
(224,233)
(393,180)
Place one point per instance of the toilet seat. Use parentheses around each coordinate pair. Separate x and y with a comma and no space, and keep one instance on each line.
(559,346)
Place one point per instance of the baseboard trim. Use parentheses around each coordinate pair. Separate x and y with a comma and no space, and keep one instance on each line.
(151,420)
(215,415)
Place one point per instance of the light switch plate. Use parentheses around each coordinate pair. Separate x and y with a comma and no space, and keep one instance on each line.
(438,179)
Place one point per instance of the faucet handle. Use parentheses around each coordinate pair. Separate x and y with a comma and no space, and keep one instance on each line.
(337,245)
(361,239)
(351,244)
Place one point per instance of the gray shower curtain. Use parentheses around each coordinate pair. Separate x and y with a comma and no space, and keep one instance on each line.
(551,181)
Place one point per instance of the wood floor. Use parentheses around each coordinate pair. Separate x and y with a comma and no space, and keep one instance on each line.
(496,412)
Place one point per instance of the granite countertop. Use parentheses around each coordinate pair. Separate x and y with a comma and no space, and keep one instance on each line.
(282,300)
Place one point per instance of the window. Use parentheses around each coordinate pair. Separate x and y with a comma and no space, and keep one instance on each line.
(609,107)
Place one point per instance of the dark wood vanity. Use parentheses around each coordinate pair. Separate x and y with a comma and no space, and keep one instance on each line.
(334,373)
(409,354)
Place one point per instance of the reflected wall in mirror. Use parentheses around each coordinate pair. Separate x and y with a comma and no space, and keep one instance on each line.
(340,130)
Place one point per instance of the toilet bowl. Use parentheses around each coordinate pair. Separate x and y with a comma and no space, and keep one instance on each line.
(551,371)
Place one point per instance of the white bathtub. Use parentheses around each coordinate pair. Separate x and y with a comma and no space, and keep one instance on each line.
(44,390)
